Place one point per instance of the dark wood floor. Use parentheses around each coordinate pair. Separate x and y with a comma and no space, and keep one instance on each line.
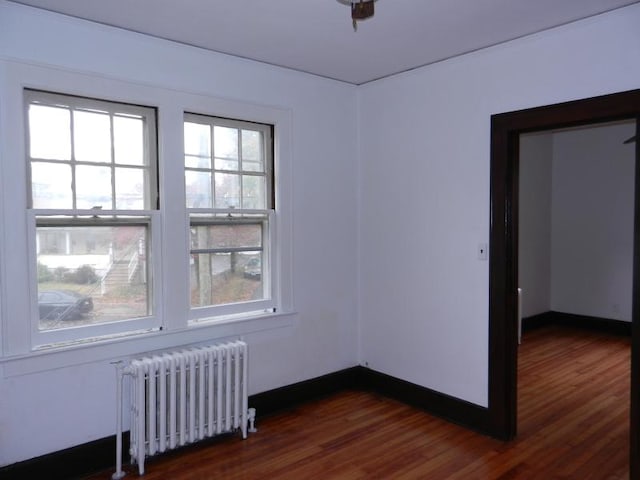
(573,424)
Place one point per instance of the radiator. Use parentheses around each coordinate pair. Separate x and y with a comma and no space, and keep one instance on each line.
(181,397)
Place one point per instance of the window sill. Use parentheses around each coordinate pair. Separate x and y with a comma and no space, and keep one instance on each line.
(124,348)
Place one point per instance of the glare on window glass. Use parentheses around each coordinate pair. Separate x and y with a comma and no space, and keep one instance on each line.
(92,137)
(130,188)
(51,185)
(49,132)
(93,187)
(128,140)
(197,139)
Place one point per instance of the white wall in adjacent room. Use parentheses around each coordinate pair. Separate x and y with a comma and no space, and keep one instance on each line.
(592,221)
(576,221)
(534,212)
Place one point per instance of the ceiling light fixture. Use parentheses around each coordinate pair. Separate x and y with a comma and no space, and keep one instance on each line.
(360,10)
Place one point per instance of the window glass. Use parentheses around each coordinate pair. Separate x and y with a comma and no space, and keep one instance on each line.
(92,136)
(230,244)
(93,187)
(49,132)
(104,137)
(198,188)
(252,147)
(87,156)
(225,148)
(224,278)
(89,275)
(128,140)
(51,185)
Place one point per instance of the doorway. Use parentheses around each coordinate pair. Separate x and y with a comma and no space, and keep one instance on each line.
(575,209)
(506,129)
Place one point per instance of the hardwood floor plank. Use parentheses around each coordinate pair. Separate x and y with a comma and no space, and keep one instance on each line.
(573,424)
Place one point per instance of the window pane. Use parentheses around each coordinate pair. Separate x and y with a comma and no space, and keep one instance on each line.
(93,187)
(224,164)
(89,275)
(227,190)
(49,132)
(130,188)
(128,140)
(226,142)
(198,189)
(226,236)
(253,194)
(51,185)
(191,161)
(92,136)
(224,278)
(197,139)
(252,160)
(226,148)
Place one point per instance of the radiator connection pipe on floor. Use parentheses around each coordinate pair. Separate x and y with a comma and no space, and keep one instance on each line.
(251,414)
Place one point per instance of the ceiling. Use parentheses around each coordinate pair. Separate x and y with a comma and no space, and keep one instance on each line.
(316,36)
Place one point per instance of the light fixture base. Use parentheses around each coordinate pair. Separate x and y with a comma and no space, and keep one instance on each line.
(360,10)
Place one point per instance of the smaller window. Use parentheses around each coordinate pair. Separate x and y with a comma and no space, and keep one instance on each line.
(229,195)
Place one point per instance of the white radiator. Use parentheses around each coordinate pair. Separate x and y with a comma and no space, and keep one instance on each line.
(180,397)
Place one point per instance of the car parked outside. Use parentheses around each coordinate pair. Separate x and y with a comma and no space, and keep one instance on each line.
(63,305)
(253,268)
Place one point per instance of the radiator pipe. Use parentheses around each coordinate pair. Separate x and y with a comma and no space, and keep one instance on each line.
(119,377)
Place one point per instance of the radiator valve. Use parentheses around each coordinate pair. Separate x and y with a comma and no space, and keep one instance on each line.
(252,420)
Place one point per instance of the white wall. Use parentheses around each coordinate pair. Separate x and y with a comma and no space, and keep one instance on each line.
(534,249)
(53,406)
(592,222)
(424,200)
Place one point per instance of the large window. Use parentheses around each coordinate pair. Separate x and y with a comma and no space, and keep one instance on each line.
(229,196)
(93,201)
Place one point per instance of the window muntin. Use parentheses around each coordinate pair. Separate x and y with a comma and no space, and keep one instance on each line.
(87,153)
(229,185)
(93,199)
(227,164)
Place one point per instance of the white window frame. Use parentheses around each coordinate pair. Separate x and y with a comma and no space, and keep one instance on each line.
(224,216)
(148,217)
(21,353)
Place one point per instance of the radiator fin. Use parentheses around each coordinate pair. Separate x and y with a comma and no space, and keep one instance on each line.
(185,396)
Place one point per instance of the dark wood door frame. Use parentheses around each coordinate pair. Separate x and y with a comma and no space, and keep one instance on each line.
(503,257)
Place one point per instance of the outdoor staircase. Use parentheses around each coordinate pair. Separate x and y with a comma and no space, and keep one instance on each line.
(118,276)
